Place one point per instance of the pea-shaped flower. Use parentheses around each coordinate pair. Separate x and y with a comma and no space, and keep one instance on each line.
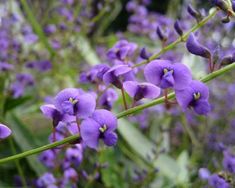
(117,74)
(196,95)
(101,125)
(139,91)
(4,131)
(164,74)
(73,101)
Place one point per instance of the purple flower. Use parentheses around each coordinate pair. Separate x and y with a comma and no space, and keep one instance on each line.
(122,50)
(50,111)
(196,48)
(70,175)
(139,91)
(74,154)
(46,180)
(195,95)
(95,75)
(42,66)
(48,158)
(49,29)
(73,101)
(5,66)
(229,162)
(166,75)
(204,173)
(4,131)
(117,74)
(107,99)
(101,125)
(216,181)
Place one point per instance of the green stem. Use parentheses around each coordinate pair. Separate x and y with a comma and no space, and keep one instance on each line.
(19,169)
(40,149)
(190,132)
(119,115)
(179,40)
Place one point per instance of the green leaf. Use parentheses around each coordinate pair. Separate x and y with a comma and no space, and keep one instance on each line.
(12,103)
(135,139)
(26,141)
(86,50)
(183,160)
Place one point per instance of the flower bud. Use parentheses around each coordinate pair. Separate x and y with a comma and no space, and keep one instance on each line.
(222,4)
(196,48)
(144,54)
(178,28)
(197,15)
(228,60)
(161,35)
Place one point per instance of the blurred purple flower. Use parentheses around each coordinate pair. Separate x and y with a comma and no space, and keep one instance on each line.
(196,95)
(216,181)
(229,162)
(48,158)
(122,50)
(5,66)
(107,99)
(101,125)
(46,180)
(204,173)
(75,154)
(167,75)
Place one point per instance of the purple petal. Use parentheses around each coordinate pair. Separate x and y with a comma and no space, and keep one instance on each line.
(167,80)
(110,138)
(196,48)
(202,107)
(105,117)
(184,97)
(65,95)
(200,87)
(85,106)
(182,76)
(90,133)
(151,91)
(130,87)
(4,131)
(48,110)
(121,69)
(153,72)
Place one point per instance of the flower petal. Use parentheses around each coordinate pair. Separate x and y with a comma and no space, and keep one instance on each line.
(90,133)
(110,138)
(85,106)
(130,87)
(182,76)
(202,107)
(4,131)
(153,72)
(184,97)
(105,117)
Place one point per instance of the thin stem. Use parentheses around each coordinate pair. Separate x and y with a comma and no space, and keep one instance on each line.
(190,132)
(207,78)
(124,99)
(179,40)
(40,149)
(18,166)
